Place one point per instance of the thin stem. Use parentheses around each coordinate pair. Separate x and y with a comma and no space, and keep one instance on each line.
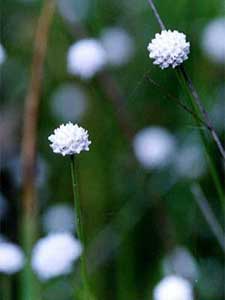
(193,91)
(208,215)
(155,11)
(202,110)
(196,109)
(208,151)
(177,101)
(80,231)
(29,145)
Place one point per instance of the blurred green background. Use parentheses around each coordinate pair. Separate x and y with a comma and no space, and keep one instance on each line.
(136,215)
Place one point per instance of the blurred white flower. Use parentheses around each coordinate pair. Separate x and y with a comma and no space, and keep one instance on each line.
(3,206)
(213,40)
(11,258)
(182,263)
(59,218)
(118,44)
(189,161)
(69,139)
(15,171)
(55,254)
(85,58)
(2,54)
(69,102)
(73,11)
(154,147)
(173,288)
(169,48)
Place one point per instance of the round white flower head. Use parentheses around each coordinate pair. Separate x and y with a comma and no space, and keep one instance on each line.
(73,11)
(213,40)
(173,288)
(54,255)
(59,218)
(2,54)
(118,44)
(69,139)
(85,58)
(154,147)
(169,48)
(11,258)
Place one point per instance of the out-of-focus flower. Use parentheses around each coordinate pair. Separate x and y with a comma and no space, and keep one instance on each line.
(189,161)
(55,254)
(213,40)
(2,54)
(154,147)
(169,48)
(15,171)
(173,288)
(11,258)
(73,11)
(69,139)
(69,102)
(182,263)
(59,218)
(3,206)
(118,44)
(85,58)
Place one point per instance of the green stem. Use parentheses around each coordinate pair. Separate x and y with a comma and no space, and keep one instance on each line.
(29,283)
(80,231)
(6,288)
(208,151)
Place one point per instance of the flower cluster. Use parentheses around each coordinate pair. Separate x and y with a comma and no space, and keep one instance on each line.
(69,139)
(54,255)
(169,48)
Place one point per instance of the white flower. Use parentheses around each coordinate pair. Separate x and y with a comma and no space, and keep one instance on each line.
(59,218)
(189,161)
(213,40)
(15,171)
(182,263)
(69,102)
(2,54)
(69,139)
(154,147)
(173,288)
(85,58)
(169,48)
(11,258)
(54,255)
(73,11)
(118,44)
